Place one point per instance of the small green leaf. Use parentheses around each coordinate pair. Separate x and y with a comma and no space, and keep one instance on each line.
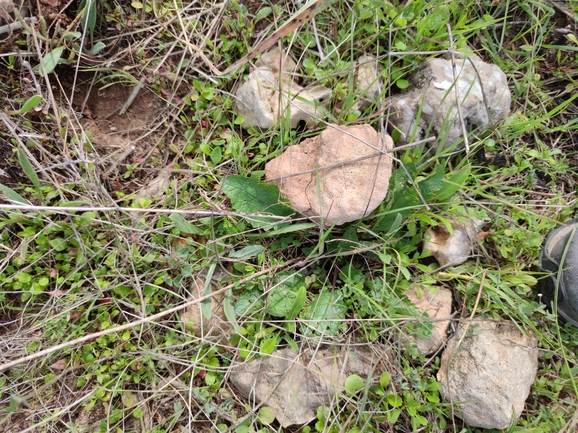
(230,311)
(263,13)
(12,195)
(266,415)
(394,400)
(247,252)
(298,304)
(268,346)
(28,168)
(50,61)
(98,47)
(32,103)
(183,225)
(249,302)
(353,383)
(453,184)
(402,83)
(325,314)
(282,297)
(384,379)
(216,155)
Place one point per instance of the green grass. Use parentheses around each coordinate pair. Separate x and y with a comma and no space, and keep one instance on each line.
(114,258)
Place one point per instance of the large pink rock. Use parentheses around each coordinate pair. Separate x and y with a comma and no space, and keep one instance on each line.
(325,179)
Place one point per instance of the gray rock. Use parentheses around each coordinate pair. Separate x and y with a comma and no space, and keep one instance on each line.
(346,192)
(294,385)
(489,376)
(270,95)
(430,108)
(438,306)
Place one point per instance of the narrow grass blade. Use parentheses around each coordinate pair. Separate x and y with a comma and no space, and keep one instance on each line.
(28,168)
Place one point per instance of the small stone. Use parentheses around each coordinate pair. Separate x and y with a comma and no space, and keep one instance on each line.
(270,95)
(430,104)
(488,377)
(368,82)
(455,248)
(295,385)
(438,306)
(345,192)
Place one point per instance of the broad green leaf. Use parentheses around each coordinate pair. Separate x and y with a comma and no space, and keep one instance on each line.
(32,103)
(283,296)
(230,311)
(12,195)
(50,61)
(28,168)
(325,314)
(432,184)
(183,225)
(263,13)
(268,346)
(266,415)
(247,252)
(251,196)
(353,383)
(216,155)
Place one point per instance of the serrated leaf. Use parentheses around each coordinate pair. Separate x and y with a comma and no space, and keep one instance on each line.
(230,311)
(50,60)
(27,168)
(12,195)
(266,415)
(268,346)
(32,103)
(353,383)
(183,225)
(247,252)
(325,313)
(251,196)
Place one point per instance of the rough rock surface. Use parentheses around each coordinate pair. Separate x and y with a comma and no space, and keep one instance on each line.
(270,94)
(438,307)
(455,248)
(346,192)
(294,385)
(194,321)
(490,374)
(368,82)
(483,92)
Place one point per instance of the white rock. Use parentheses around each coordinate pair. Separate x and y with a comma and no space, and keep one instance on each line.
(438,306)
(346,192)
(488,378)
(484,99)
(270,95)
(455,248)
